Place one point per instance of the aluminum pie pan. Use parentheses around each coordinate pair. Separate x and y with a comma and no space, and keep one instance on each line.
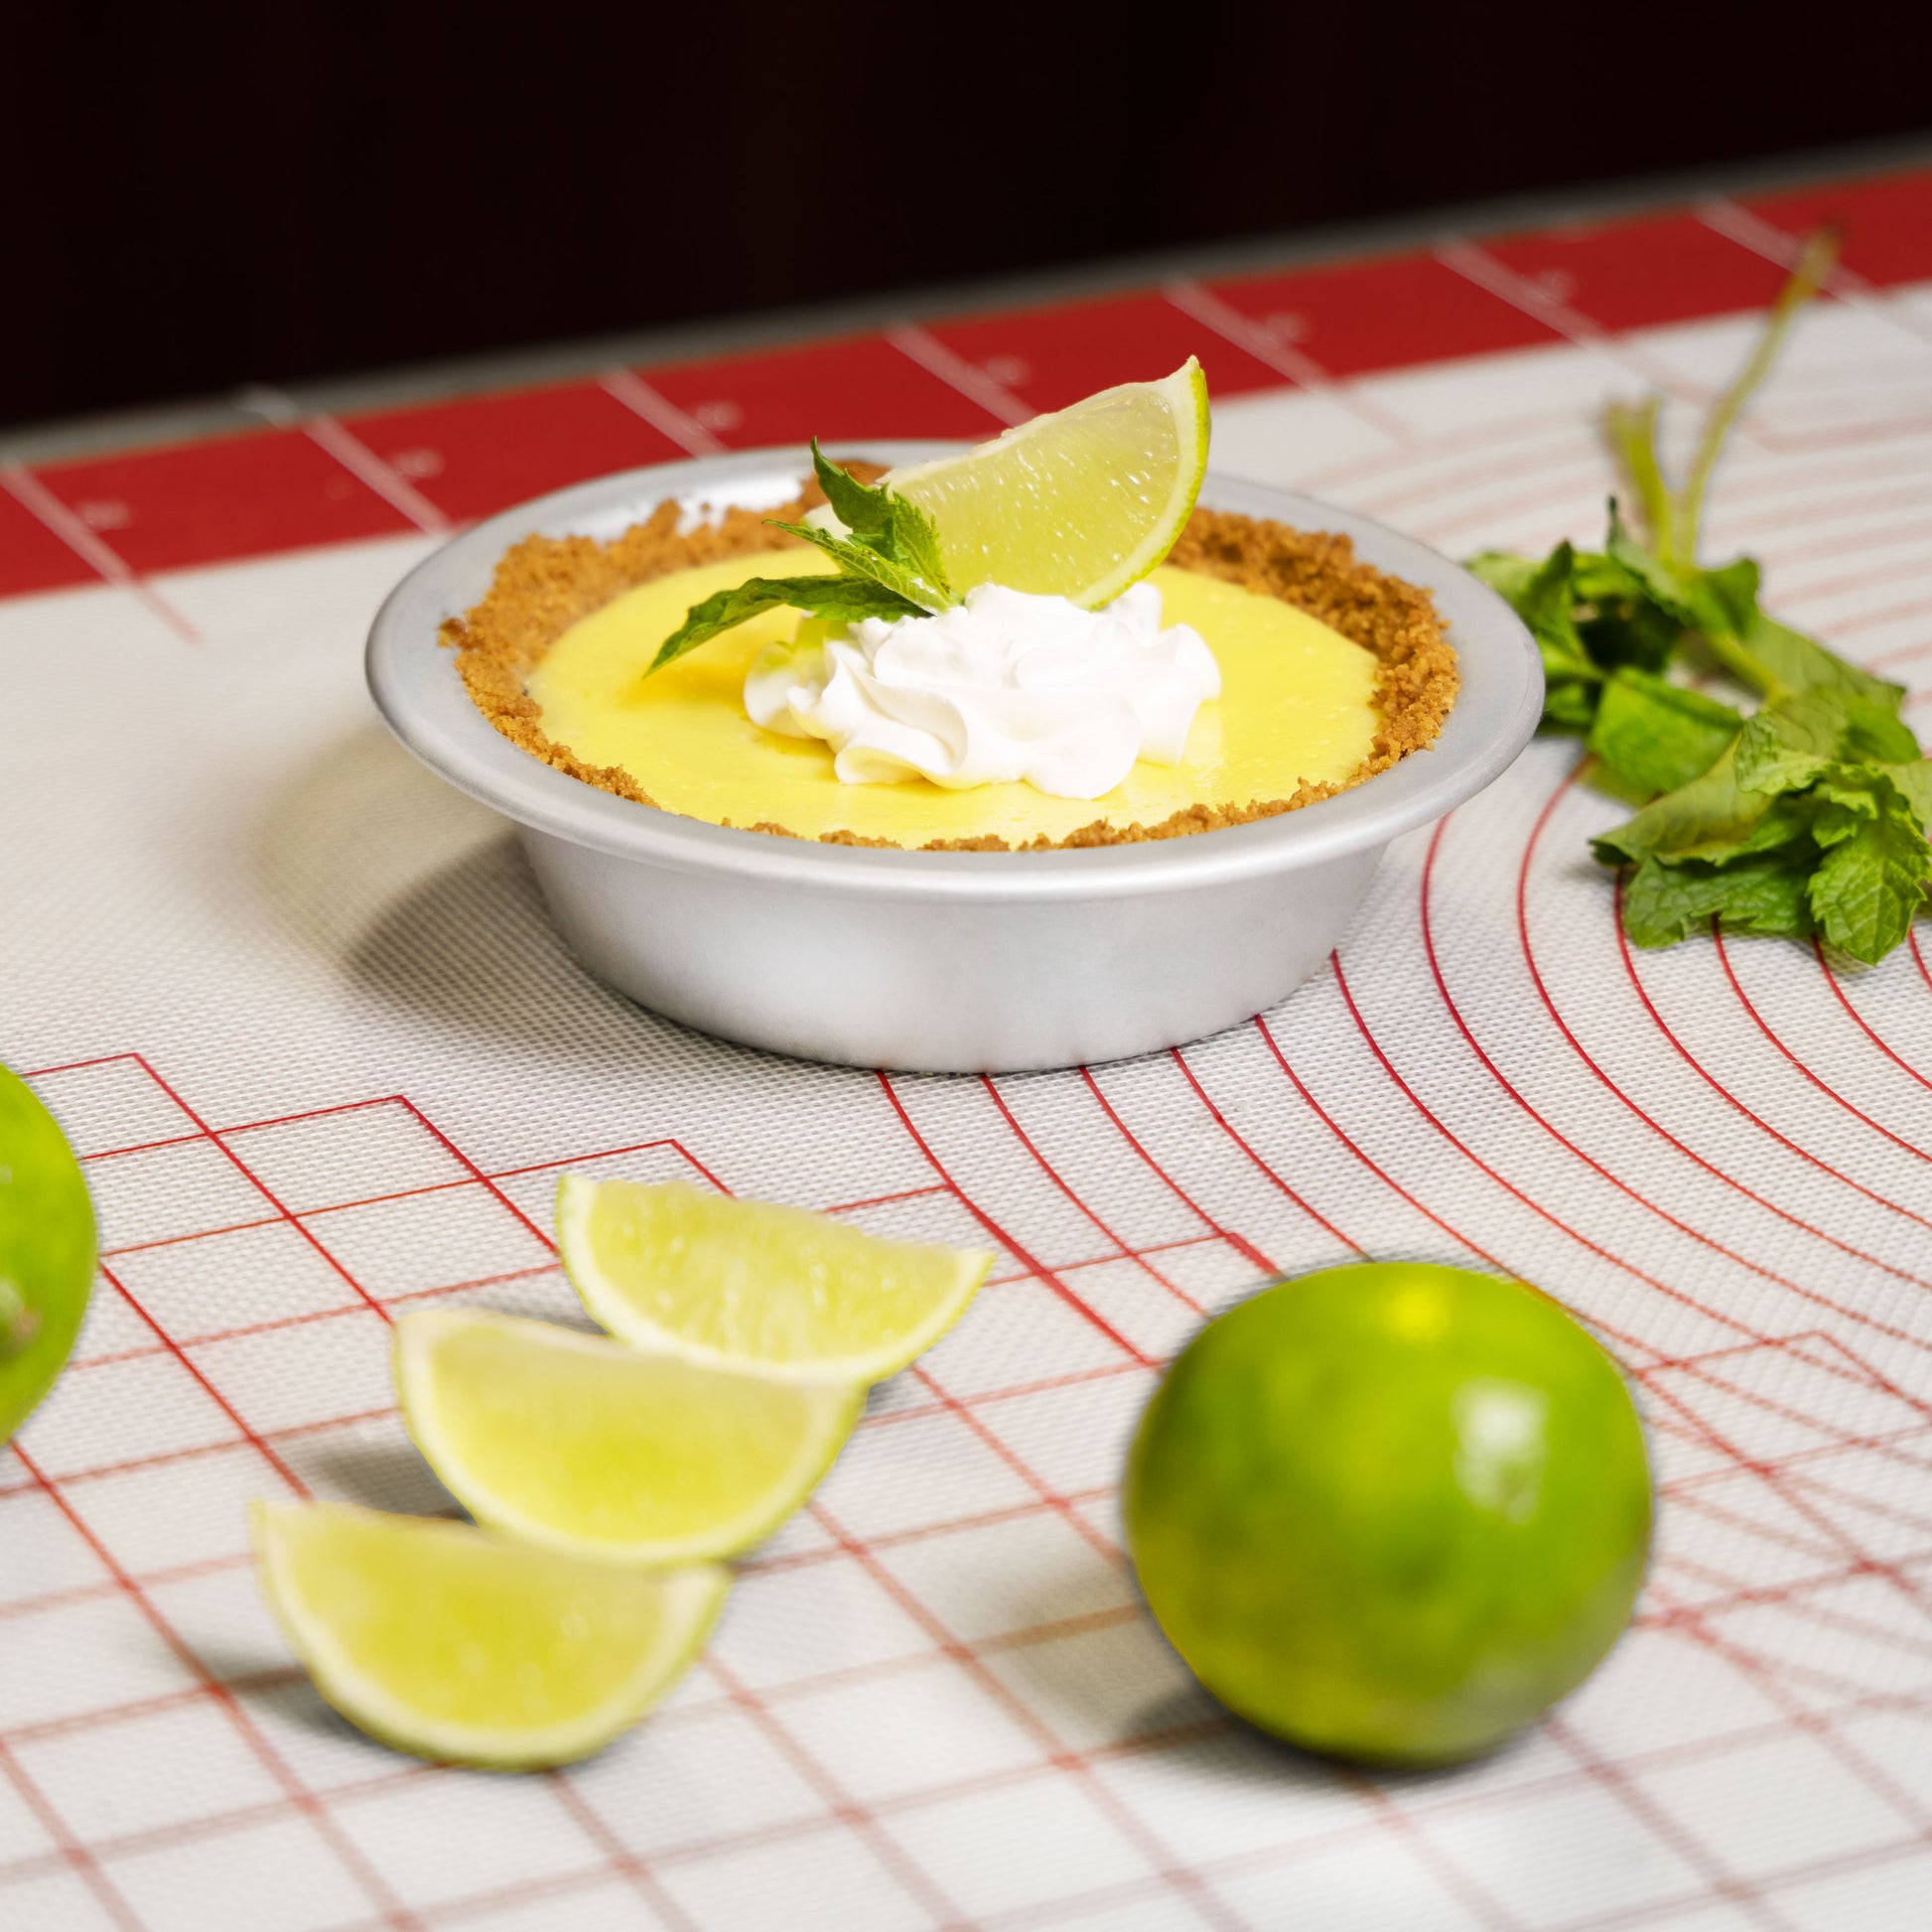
(953,961)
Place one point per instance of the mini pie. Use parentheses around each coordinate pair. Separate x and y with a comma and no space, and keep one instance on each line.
(1333,672)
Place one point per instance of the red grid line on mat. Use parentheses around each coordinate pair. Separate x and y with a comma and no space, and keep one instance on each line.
(1030,1263)
(400,459)
(1121,1249)
(1055,1753)
(300,1795)
(1238,1242)
(1852,1706)
(68,1851)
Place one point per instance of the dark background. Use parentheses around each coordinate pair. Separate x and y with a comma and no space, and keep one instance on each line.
(201,198)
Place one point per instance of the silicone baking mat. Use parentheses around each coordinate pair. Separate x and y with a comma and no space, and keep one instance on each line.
(298,1004)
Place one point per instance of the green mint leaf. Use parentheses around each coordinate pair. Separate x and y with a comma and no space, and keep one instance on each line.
(1764,893)
(1656,736)
(1875,731)
(1542,594)
(1768,656)
(1620,622)
(860,559)
(1788,658)
(1788,742)
(916,543)
(1678,590)
(1713,818)
(843,599)
(885,524)
(1568,707)
(1505,572)
(1873,878)
(1914,782)
(866,509)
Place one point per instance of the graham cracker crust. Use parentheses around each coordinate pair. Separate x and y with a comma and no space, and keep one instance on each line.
(544,585)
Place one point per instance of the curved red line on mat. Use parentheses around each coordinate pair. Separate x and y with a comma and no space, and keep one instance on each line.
(1228,1128)
(1822,1085)
(1919,960)
(1650,1121)
(1032,1263)
(1718,1088)
(1374,1167)
(1563,1139)
(1052,1174)
(1239,1243)
(1509,1187)
(1859,1021)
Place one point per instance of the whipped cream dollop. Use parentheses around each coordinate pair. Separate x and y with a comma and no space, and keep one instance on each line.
(1004,686)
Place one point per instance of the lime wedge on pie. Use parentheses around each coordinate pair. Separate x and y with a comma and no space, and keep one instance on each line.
(453,1644)
(744,1285)
(585,1445)
(1079,503)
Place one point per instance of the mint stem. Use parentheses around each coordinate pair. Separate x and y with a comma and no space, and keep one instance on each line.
(1808,275)
(1632,431)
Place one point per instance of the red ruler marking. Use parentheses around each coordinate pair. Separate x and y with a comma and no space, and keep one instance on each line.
(1887,222)
(1382,315)
(207,503)
(862,387)
(479,455)
(1049,357)
(32,557)
(1638,274)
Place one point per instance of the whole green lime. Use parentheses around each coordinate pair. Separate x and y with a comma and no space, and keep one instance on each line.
(47,1251)
(1391,1512)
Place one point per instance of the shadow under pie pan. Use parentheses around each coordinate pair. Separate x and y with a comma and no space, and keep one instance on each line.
(940,961)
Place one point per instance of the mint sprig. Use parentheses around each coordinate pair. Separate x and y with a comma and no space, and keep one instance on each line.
(888,562)
(1807,816)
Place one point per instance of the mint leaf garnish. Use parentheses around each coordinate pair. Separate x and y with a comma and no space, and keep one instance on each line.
(845,599)
(1810,814)
(889,567)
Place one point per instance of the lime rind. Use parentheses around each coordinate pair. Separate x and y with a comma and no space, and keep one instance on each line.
(1033,450)
(793,1431)
(814,1309)
(681,1605)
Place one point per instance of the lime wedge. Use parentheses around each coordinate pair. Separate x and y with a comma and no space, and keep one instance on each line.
(451,1643)
(46,1250)
(741,1285)
(1079,503)
(588,1445)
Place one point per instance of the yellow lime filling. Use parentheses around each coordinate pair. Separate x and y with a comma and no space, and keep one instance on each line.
(1296,708)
